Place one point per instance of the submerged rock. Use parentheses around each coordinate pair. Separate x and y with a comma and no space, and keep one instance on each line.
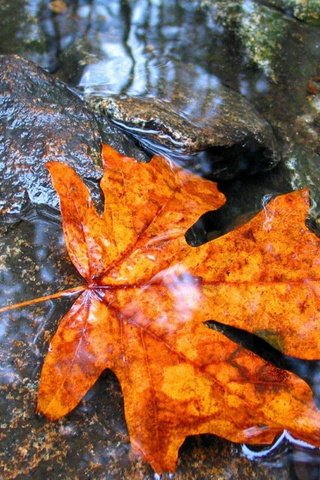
(42,120)
(308,124)
(307,11)
(259,28)
(21,31)
(219,122)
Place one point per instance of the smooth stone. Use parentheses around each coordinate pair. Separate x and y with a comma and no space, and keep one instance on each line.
(42,120)
(218,123)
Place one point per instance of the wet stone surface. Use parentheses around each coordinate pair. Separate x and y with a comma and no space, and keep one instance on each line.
(42,120)
(217,120)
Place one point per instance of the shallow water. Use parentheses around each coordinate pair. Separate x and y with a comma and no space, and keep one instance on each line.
(156,49)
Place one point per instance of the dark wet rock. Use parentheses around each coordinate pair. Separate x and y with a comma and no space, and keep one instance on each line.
(119,140)
(42,120)
(222,123)
(21,32)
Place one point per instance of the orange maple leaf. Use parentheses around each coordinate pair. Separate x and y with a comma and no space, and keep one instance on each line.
(149,293)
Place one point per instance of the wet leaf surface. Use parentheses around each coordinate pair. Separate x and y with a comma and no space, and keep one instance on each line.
(149,293)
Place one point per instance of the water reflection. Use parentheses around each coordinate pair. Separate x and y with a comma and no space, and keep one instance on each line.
(140,44)
(303,459)
(284,439)
(184,291)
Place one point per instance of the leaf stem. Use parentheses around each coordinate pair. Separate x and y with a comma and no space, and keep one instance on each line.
(33,301)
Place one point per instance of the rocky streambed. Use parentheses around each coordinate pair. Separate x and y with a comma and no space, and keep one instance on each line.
(228,90)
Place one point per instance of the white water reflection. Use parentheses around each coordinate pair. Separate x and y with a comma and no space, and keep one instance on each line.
(276,454)
(184,290)
(139,44)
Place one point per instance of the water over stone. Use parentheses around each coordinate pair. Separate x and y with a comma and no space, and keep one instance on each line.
(215,120)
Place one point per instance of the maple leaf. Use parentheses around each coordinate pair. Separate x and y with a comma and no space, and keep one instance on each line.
(149,293)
